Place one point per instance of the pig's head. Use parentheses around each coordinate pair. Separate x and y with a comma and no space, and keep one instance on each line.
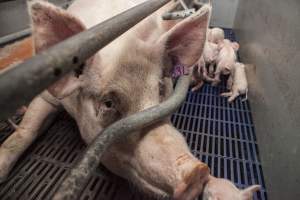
(126,77)
(222,189)
(211,52)
(227,43)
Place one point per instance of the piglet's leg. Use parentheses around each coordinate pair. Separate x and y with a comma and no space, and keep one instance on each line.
(25,134)
(226,94)
(216,79)
(229,82)
(234,95)
(197,86)
(206,77)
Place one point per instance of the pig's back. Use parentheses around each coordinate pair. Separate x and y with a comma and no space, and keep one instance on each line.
(240,78)
(92,12)
(226,56)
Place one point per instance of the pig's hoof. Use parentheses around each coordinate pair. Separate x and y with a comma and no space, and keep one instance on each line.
(214,84)
(192,186)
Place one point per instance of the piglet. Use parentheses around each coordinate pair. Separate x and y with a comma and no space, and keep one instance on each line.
(226,59)
(239,84)
(215,35)
(222,189)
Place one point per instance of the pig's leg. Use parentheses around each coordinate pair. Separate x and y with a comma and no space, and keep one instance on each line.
(246,93)
(226,94)
(25,134)
(20,111)
(197,86)
(229,82)
(234,95)
(206,77)
(216,79)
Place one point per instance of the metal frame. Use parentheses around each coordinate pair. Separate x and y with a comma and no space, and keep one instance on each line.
(20,84)
(79,175)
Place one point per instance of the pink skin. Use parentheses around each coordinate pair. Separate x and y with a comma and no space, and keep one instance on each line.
(210,54)
(199,75)
(215,35)
(238,84)
(226,59)
(222,189)
(157,158)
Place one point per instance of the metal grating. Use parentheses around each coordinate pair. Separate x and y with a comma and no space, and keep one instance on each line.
(220,134)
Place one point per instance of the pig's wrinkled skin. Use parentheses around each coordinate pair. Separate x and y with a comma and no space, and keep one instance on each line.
(226,59)
(215,35)
(239,83)
(123,78)
(222,189)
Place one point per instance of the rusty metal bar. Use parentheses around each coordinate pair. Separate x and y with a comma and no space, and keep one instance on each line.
(80,174)
(20,84)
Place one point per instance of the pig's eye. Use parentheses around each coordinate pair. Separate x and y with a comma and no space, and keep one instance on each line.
(108,103)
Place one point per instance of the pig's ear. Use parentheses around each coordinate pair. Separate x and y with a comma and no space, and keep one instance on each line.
(235,46)
(248,192)
(185,41)
(51,25)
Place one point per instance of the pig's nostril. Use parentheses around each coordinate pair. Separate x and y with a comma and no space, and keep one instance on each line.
(75,60)
(57,71)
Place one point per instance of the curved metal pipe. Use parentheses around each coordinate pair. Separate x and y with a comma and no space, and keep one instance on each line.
(20,84)
(82,171)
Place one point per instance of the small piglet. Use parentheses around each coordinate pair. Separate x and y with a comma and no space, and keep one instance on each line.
(239,83)
(226,59)
(215,35)
(222,189)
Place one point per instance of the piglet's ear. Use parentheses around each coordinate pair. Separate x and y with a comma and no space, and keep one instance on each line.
(248,192)
(235,46)
(51,25)
(185,41)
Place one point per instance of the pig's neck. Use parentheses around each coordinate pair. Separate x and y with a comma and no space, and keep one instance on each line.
(92,12)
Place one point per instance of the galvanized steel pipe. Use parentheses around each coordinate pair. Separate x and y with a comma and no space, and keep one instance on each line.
(20,84)
(79,175)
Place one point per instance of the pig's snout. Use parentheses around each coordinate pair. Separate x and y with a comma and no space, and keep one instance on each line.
(192,183)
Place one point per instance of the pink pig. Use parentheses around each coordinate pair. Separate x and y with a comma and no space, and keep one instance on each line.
(237,83)
(215,35)
(226,59)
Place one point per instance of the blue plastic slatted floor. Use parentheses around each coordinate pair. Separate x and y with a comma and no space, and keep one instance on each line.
(220,134)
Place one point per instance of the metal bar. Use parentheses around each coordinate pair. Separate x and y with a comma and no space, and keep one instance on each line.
(82,171)
(20,84)
(14,37)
